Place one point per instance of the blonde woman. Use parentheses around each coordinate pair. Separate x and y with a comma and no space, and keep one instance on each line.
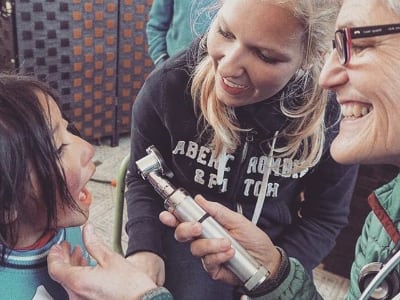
(239,118)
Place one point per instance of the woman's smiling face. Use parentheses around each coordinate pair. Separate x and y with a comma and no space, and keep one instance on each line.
(367,88)
(254,57)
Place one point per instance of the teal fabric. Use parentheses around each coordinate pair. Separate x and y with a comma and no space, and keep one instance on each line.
(24,274)
(374,245)
(157,294)
(174,24)
(297,285)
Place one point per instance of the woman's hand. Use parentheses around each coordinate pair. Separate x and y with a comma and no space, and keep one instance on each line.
(215,252)
(151,264)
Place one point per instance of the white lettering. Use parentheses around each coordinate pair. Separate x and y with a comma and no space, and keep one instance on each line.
(213,162)
(179,148)
(276,166)
(192,150)
(248,183)
(212,181)
(252,188)
(287,167)
(201,159)
(272,190)
(199,176)
(252,167)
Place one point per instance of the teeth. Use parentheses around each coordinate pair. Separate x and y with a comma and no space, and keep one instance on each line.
(355,110)
(82,196)
(234,85)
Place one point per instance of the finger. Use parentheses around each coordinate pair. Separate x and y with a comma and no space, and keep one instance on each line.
(77,257)
(168,219)
(215,261)
(96,248)
(203,247)
(188,231)
(213,264)
(58,263)
(223,215)
(66,249)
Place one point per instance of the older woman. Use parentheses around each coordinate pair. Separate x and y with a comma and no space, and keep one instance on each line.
(363,70)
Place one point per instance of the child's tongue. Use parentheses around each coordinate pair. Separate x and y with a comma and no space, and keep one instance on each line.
(85,196)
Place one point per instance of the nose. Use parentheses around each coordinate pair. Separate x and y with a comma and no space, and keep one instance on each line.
(87,151)
(333,74)
(232,64)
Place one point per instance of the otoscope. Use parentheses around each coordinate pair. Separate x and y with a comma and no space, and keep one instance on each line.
(178,201)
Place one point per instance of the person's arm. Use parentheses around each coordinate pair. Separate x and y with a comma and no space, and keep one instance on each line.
(144,230)
(160,18)
(112,278)
(215,252)
(328,193)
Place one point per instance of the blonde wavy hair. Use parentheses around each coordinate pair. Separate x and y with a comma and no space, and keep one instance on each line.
(303,138)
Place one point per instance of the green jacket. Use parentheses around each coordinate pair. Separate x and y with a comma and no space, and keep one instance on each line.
(373,245)
(159,293)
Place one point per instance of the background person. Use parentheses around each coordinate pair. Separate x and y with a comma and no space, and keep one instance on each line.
(174,24)
(240,118)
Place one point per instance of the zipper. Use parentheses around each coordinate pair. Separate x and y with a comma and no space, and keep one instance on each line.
(234,195)
(248,139)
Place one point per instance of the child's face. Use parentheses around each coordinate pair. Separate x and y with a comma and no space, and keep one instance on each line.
(76,159)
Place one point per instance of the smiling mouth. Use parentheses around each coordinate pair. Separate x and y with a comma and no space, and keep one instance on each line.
(355,110)
(234,85)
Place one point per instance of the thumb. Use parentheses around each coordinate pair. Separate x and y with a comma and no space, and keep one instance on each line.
(58,262)
(96,248)
(223,215)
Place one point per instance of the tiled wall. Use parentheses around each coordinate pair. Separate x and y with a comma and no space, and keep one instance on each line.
(93,52)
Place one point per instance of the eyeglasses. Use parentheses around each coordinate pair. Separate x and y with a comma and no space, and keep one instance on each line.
(343,37)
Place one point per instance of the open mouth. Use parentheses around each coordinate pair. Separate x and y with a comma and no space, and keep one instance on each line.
(85,197)
(233,87)
(355,110)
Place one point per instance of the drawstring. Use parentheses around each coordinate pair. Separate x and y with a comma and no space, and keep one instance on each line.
(222,160)
(264,184)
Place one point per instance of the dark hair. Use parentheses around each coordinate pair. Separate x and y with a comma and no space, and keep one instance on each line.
(27,147)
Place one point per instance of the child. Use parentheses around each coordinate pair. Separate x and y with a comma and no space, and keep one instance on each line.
(44,167)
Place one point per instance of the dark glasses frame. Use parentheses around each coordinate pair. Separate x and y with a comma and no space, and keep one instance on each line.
(344,36)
